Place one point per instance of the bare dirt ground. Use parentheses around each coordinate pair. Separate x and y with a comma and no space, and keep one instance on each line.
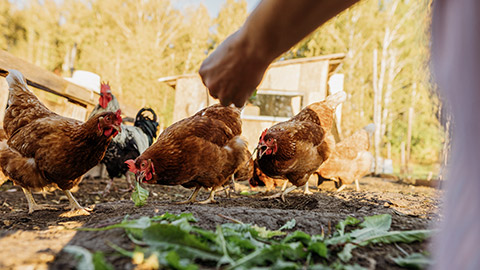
(35,241)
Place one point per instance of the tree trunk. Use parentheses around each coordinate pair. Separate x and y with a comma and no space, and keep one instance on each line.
(411,114)
(377,108)
(402,158)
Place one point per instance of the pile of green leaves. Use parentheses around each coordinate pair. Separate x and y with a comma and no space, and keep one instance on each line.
(172,241)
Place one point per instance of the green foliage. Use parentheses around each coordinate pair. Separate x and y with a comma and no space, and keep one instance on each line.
(172,241)
(399,30)
(414,261)
(87,260)
(231,16)
(374,229)
(139,195)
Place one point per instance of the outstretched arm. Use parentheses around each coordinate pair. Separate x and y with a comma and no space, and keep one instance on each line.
(236,67)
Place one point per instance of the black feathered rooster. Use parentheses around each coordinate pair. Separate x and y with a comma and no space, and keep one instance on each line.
(129,143)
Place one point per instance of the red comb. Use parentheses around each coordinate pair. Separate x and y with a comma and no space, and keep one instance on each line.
(263,134)
(104,87)
(131,165)
(119,117)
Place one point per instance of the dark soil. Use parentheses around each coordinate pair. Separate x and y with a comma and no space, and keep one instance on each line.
(36,241)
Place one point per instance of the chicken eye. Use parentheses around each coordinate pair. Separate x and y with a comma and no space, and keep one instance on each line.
(107,118)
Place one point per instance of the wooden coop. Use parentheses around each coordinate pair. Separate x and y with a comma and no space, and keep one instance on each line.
(58,94)
(287,87)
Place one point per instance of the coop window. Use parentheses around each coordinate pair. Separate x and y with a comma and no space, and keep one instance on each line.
(274,103)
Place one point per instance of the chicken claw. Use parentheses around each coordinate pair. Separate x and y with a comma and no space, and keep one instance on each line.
(192,197)
(75,208)
(210,198)
(32,205)
(282,194)
(38,207)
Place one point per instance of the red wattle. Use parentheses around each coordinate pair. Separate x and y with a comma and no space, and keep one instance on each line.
(108,132)
(103,102)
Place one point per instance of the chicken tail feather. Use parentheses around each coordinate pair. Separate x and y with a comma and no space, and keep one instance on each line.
(21,170)
(336,99)
(238,152)
(15,79)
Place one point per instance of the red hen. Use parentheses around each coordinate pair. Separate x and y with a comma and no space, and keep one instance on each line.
(44,148)
(203,150)
(294,149)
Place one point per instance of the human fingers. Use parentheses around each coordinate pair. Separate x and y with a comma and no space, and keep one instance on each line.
(241,97)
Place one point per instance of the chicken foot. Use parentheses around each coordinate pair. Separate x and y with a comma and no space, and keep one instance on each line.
(282,194)
(192,197)
(232,185)
(109,185)
(32,205)
(75,208)
(343,186)
(210,198)
(307,190)
(129,183)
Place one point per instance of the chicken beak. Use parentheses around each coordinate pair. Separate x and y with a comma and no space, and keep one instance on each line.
(261,148)
(117,129)
(140,176)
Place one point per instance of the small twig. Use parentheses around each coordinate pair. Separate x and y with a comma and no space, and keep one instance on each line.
(230,218)
(329,228)
(401,249)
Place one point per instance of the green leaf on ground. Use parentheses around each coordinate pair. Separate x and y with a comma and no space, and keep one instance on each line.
(87,261)
(83,256)
(139,195)
(414,261)
(173,241)
(289,225)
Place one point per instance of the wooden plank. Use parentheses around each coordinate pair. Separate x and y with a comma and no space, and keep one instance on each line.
(46,80)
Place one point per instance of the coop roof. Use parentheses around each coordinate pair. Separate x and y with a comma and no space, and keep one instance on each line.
(334,61)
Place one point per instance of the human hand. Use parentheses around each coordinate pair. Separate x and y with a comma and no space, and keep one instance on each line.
(234,70)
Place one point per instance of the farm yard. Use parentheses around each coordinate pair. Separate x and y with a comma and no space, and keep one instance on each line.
(36,241)
(355,97)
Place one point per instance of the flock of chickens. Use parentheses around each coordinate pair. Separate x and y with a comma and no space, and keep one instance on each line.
(205,150)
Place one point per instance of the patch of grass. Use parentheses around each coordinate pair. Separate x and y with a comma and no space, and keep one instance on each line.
(172,241)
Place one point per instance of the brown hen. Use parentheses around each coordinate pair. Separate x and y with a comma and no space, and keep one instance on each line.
(203,150)
(350,160)
(44,148)
(294,149)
